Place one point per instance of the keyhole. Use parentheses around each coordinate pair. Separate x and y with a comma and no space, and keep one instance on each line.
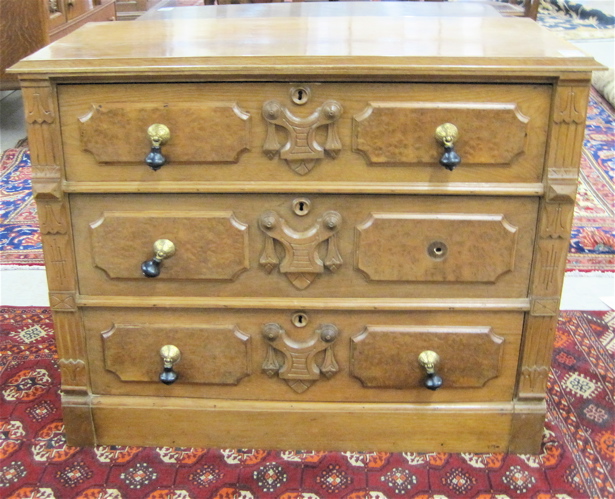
(301,206)
(300,95)
(299,319)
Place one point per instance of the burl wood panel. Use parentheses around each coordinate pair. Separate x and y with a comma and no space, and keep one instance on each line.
(211,248)
(210,354)
(209,245)
(127,139)
(155,327)
(200,132)
(395,132)
(387,356)
(430,247)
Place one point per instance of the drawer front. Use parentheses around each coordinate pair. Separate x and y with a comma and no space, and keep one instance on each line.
(304,355)
(319,132)
(308,246)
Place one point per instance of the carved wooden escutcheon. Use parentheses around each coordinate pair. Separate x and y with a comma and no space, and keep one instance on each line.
(301,261)
(299,368)
(302,151)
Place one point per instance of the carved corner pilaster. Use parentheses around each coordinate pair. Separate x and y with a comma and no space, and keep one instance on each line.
(539,335)
(47,182)
(544,307)
(63,301)
(562,185)
(70,342)
(568,127)
(556,220)
(43,127)
(73,374)
(549,267)
(534,379)
(53,217)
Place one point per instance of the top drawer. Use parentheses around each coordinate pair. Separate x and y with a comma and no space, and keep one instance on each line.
(289,133)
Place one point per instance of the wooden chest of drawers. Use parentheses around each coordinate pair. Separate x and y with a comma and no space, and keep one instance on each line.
(319,278)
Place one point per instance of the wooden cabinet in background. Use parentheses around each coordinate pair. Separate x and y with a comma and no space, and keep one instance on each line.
(128,10)
(28,25)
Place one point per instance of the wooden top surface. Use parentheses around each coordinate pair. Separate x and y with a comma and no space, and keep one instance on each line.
(344,46)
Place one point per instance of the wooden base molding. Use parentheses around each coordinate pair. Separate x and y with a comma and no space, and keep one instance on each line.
(279,425)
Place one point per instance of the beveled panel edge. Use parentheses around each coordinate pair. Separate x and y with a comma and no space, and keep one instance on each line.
(374,304)
(460,188)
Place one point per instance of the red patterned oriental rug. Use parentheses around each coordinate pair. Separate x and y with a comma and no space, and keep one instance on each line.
(592,247)
(577,459)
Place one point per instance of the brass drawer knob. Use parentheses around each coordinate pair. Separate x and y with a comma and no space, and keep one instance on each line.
(428,361)
(158,135)
(170,356)
(163,248)
(447,134)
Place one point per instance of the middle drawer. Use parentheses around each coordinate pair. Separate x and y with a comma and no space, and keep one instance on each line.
(345,246)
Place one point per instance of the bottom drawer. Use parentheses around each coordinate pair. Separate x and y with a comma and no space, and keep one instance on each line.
(318,355)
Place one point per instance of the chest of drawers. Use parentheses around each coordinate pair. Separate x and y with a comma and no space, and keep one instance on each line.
(343,233)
